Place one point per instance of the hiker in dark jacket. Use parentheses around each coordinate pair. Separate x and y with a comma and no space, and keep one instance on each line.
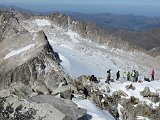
(108,76)
(136,75)
(118,75)
(72,95)
(85,92)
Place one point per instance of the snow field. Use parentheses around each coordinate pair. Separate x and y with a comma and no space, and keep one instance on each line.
(15,52)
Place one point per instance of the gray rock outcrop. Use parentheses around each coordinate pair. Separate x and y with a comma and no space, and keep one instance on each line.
(154,97)
(38,63)
(65,106)
(40,107)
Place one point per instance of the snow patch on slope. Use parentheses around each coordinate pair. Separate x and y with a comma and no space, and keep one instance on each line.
(15,52)
(42,22)
(73,36)
(142,118)
(92,110)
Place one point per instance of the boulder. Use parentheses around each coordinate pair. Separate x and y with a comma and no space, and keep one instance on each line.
(154,97)
(145,92)
(134,100)
(64,91)
(14,108)
(131,87)
(65,106)
(20,90)
(40,87)
(119,93)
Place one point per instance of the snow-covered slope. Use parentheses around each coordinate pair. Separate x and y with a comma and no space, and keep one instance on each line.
(81,56)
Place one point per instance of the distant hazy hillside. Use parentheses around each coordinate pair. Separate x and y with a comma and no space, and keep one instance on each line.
(148,39)
(138,30)
(114,22)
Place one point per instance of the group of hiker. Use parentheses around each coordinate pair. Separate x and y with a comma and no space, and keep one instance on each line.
(129,76)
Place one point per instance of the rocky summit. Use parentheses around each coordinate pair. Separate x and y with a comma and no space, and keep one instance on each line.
(54,68)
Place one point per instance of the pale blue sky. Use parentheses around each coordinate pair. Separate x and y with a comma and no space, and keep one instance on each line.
(136,7)
(150,2)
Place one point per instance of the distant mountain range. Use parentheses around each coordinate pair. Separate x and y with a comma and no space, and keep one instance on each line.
(138,30)
(108,21)
(115,22)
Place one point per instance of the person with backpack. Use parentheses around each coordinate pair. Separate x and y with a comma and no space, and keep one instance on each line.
(152,76)
(128,76)
(124,75)
(133,75)
(118,75)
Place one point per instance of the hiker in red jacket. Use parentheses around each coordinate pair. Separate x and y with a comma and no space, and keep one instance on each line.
(153,73)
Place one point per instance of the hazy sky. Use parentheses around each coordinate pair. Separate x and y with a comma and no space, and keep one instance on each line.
(136,7)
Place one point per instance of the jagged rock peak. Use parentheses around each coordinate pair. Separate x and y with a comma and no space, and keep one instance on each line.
(27,58)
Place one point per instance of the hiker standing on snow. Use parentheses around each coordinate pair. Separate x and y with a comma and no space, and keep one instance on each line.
(108,76)
(153,73)
(136,75)
(118,75)
(124,75)
(72,95)
(128,76)
(133,75)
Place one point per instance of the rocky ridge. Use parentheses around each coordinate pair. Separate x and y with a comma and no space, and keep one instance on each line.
(92,32)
